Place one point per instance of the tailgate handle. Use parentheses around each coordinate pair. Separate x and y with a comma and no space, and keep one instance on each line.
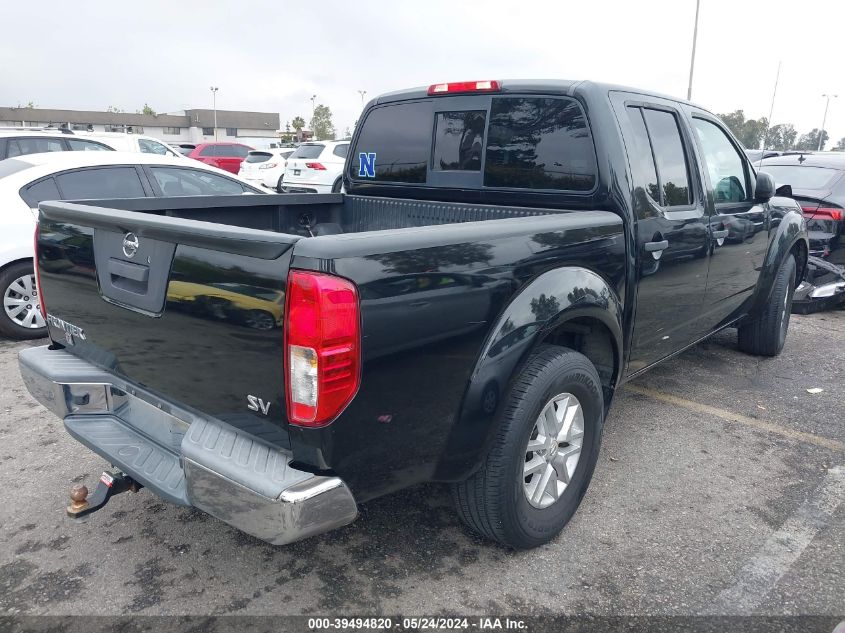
(127,270)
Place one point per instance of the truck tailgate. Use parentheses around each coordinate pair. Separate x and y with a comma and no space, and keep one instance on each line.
(189,310)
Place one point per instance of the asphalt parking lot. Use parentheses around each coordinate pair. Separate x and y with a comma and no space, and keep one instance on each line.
(719,490)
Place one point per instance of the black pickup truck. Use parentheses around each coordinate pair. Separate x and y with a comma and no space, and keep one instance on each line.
(504,257)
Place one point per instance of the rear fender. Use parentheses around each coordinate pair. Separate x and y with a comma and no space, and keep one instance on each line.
(539,310)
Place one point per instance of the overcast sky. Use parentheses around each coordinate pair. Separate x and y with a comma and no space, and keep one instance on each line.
(272,55)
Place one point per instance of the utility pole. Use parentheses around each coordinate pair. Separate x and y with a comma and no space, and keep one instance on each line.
(692,58)
(771,110)
(362,93)
(824,119)
(214,105)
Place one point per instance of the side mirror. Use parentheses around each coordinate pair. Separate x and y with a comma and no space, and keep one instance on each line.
(765,188)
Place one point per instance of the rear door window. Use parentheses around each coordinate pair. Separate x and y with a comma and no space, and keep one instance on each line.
(183,181)
(79,145)
(395,142)
(459,140)
(640,155)
(341,150)
(104,182)
(152,147)
(209,150)
(539,143)
(23,146)
(670,157)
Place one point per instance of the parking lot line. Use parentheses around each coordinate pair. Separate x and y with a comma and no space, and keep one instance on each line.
(783,547)
(730,416)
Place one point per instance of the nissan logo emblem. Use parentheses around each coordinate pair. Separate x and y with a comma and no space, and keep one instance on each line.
(130,244)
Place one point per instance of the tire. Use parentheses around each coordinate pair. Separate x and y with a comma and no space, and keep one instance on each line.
(765,335)
(20,318)
(279,184)
(337,185)
(494,501)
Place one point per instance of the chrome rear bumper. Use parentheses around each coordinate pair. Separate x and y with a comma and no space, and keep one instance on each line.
(186,458)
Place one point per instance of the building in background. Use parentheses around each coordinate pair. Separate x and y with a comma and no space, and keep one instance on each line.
(188,126)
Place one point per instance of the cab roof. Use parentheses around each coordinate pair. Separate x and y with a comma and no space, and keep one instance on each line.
(536,86)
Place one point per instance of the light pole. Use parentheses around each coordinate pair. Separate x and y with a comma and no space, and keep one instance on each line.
(362,93)
(824,119)
(692,58)
(214,103)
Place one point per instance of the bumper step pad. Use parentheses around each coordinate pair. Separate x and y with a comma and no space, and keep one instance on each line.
(132,452)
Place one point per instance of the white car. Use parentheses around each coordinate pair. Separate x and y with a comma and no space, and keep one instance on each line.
(316,167)
(123,142)
(266,167)
(27,180)
(33,141)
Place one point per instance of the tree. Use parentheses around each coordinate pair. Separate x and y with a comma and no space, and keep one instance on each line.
(114,109)
(840,146)
(321,123)
(781,137)
(148,110)
(298,123)
(544,307)
(748,131)
(810,141)
(31,104)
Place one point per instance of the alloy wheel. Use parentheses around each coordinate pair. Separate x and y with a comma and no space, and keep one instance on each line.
(553,450)
(20,300)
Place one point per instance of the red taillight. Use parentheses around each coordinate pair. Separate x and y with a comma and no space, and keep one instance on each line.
(317,166)
(38,286)
(322,346)
(464,86)
(823,213)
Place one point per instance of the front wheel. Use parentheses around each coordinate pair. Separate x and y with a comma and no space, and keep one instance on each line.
(766,335)
(21,318)
(543,456)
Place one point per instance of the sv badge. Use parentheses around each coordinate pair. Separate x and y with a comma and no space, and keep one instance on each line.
(257,404)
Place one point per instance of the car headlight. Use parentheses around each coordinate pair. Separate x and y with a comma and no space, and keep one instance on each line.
(267,166)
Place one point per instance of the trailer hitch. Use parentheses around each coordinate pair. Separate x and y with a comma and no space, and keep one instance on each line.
(108,486)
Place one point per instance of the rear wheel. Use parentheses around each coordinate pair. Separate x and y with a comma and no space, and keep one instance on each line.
(766,335)
(337,185)
(279,184)
(21,318)
(543,456)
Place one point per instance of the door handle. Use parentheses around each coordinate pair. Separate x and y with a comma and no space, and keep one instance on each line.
(656,247)
(720,235)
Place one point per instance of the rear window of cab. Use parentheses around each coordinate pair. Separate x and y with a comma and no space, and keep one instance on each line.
(538,143)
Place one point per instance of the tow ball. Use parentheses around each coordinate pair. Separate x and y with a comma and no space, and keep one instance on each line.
(110,484)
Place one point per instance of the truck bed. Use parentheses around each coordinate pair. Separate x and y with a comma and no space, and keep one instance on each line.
(196,314)
(294,214)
